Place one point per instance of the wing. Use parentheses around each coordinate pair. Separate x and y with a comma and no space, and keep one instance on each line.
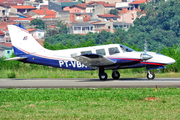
(16,58)
(93,60)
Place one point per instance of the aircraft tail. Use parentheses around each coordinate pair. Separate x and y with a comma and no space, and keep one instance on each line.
(22,41)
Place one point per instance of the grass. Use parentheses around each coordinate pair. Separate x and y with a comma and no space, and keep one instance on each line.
(96,104)
(21,70)
(59,73)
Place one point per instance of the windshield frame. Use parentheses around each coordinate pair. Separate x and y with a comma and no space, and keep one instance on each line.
(125,48)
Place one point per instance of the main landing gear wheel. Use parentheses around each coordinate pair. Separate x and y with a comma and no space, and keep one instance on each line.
(103,76)
(150,75)
(115,75)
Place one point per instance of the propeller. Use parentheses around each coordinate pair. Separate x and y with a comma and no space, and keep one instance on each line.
(145,56)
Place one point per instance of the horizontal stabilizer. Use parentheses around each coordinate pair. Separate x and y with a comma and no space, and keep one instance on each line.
(17,58)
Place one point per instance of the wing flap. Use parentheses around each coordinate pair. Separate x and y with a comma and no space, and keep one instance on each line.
(93,60)
(16,58)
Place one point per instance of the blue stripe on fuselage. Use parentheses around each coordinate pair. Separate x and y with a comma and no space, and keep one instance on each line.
(73,65)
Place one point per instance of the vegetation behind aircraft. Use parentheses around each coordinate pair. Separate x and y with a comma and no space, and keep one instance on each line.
(160,28)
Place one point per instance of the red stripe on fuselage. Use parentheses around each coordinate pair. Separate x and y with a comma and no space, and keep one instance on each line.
(152,63)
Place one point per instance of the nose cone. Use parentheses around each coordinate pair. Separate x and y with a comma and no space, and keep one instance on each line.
(159,58)
(170,60)
(167,60)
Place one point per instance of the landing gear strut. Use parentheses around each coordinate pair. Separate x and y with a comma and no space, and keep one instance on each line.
(115,75)
(150,75)
(102,75)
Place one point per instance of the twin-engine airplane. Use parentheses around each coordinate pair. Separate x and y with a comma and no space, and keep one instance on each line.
(104,57)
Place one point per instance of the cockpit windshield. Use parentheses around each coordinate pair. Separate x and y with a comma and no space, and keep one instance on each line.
(125,48)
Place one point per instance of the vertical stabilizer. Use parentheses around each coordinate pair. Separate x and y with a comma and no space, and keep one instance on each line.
(23,42)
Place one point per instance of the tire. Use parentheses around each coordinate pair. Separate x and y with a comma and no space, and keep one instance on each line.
(150,75)
(103,76)
(115,75)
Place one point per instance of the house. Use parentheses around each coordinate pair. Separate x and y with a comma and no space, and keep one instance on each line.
(128,16)
(2,37)
(36,33)
(41,13)
(107,26)
(59,6)
(98,8)
(22,9)
(107,7)
(5,51)
(79,17)
(7,38)
(21,20)
(106,1)
(3,25)
(123,5)
(81,28)
(5,10)
(136,4)
(123,25)
(77,8)
(108,17)
(63,15)
(32,3)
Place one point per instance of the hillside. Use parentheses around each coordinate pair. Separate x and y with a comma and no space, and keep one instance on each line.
(160,27)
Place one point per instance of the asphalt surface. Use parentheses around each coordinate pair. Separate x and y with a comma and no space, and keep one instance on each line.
(89,83)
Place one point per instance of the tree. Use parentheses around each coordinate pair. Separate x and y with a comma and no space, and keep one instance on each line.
(114,11)
(39,24)
(62,27)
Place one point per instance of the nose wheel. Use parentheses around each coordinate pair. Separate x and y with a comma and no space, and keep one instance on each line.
(150,75)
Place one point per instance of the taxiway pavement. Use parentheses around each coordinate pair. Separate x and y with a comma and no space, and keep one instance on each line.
(89,83)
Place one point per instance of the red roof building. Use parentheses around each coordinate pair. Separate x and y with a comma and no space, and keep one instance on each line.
(108,17)
(101,2)
(42,13)
(3,25)
(78,8)
(22,9)
(7,44)
(140,1)
(79,17)
(49,17)
(2,33)
(30,30)
(136,3)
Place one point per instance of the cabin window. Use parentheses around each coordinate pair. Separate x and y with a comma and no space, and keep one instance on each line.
(113,50)
(101,52)
(8,52)
(86,52)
